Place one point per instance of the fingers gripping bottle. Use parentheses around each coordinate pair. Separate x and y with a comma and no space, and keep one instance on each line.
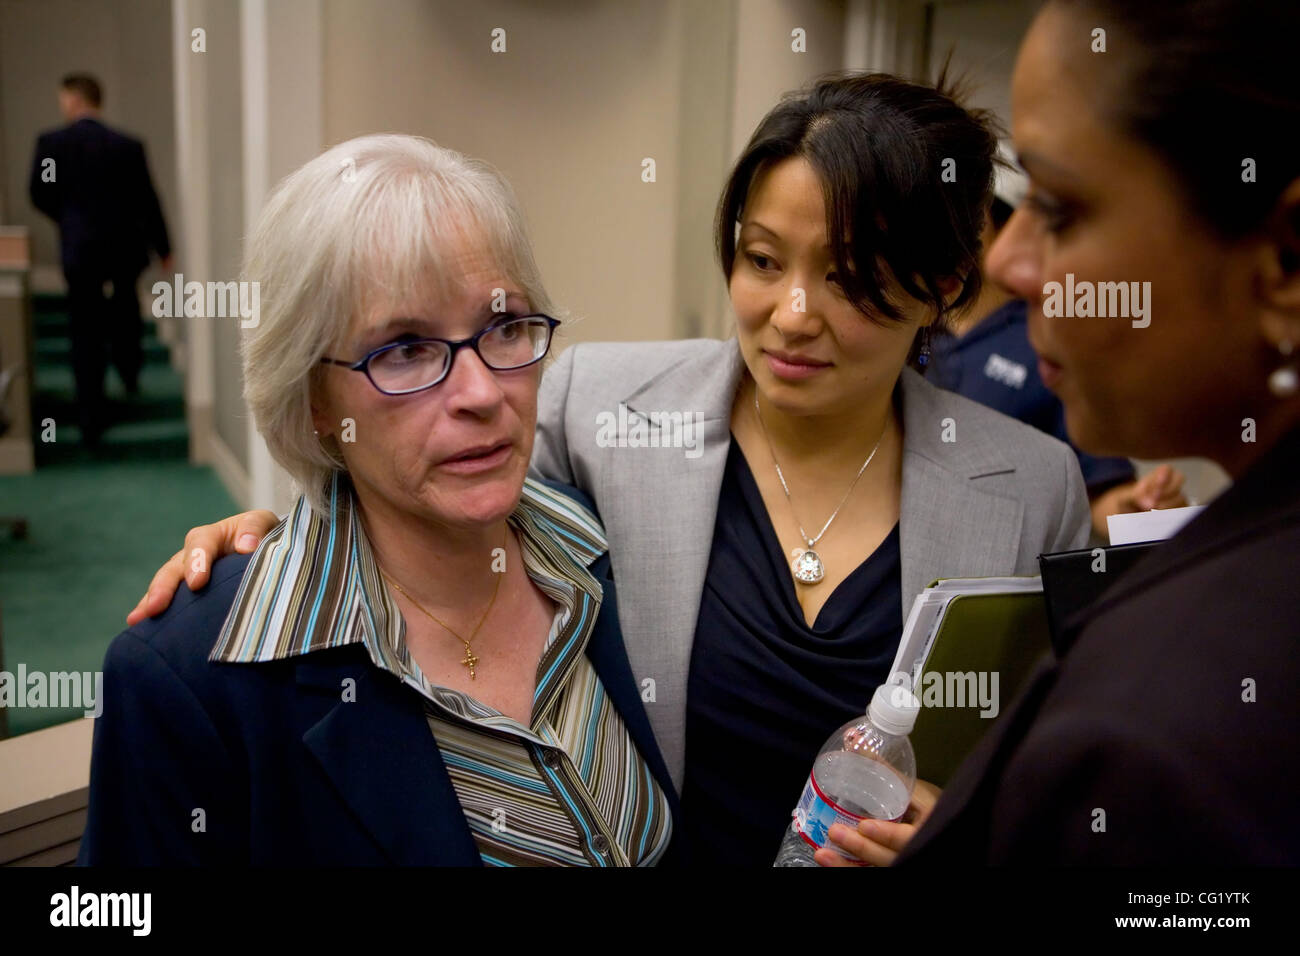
(866,769)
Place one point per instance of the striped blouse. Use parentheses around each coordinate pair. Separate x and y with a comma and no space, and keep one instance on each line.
(570,788)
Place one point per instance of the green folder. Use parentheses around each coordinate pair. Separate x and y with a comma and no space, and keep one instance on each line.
(977,653)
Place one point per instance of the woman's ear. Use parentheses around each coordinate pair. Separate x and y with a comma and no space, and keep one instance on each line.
(320,416)
(1280,275)
(951,287)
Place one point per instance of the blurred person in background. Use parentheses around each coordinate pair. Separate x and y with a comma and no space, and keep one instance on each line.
(94,182)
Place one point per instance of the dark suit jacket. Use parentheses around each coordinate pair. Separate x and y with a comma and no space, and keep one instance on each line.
(1145,718)
(285,771)
(101,197)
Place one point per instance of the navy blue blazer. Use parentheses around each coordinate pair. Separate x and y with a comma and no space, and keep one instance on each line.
(279,769)
(102,198)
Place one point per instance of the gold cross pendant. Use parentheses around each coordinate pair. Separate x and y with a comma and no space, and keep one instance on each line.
(470,661)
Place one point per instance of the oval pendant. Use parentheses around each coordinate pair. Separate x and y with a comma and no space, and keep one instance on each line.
(807,568)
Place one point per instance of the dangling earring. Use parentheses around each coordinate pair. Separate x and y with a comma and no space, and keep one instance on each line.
(1285,380)
(923,358)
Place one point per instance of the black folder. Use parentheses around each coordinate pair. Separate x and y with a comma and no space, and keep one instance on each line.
(1070,584)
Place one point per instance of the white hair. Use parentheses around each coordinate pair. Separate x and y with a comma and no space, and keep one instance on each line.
(364,224)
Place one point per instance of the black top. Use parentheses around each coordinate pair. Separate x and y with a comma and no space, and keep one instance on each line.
(766,690)
(1174,713)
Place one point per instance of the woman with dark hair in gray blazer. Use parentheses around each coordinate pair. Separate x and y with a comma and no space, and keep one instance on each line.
(775,502)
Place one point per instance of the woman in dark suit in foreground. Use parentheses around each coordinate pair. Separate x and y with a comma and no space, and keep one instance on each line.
(1169,733)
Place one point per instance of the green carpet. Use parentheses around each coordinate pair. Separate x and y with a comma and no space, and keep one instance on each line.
(99,522)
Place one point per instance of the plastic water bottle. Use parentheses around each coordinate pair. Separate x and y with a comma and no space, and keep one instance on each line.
(866,769)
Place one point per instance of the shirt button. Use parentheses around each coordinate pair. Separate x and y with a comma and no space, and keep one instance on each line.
(551,758)
(600,844)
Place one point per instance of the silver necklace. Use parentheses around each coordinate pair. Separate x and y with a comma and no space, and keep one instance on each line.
(807,567)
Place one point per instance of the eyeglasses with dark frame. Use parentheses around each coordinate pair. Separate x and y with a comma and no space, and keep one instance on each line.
(401,368)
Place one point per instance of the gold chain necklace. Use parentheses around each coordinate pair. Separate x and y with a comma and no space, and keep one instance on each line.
(470,660)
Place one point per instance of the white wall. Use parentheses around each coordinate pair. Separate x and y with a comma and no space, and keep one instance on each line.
(221,66)
(582,94)
(766,64)
(704,154)
(983,36)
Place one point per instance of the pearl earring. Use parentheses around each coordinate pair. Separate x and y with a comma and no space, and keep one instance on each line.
(1285,380)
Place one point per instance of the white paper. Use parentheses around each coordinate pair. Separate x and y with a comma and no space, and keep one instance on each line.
(1149,525)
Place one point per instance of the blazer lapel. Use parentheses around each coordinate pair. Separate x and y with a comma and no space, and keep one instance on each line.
(662,546)
(381,758)
(948,525)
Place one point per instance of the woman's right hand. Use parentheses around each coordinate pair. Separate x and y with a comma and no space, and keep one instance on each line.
(238,534)
(878,842)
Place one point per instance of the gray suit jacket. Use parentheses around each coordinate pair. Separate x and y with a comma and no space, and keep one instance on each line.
(987,503)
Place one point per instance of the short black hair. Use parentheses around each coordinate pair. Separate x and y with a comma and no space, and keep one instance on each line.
(907,177)
(85,86)
(1207,84)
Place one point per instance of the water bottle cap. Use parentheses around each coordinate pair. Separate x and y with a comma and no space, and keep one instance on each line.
(893,709)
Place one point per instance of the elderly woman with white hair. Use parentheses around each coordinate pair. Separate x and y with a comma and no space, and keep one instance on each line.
(422,664)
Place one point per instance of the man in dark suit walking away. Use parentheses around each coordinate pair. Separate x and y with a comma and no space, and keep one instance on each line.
(94,182)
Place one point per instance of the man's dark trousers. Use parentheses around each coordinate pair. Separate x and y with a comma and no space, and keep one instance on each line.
(105,327)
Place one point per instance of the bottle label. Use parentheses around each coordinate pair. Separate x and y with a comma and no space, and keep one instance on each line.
(816,813)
